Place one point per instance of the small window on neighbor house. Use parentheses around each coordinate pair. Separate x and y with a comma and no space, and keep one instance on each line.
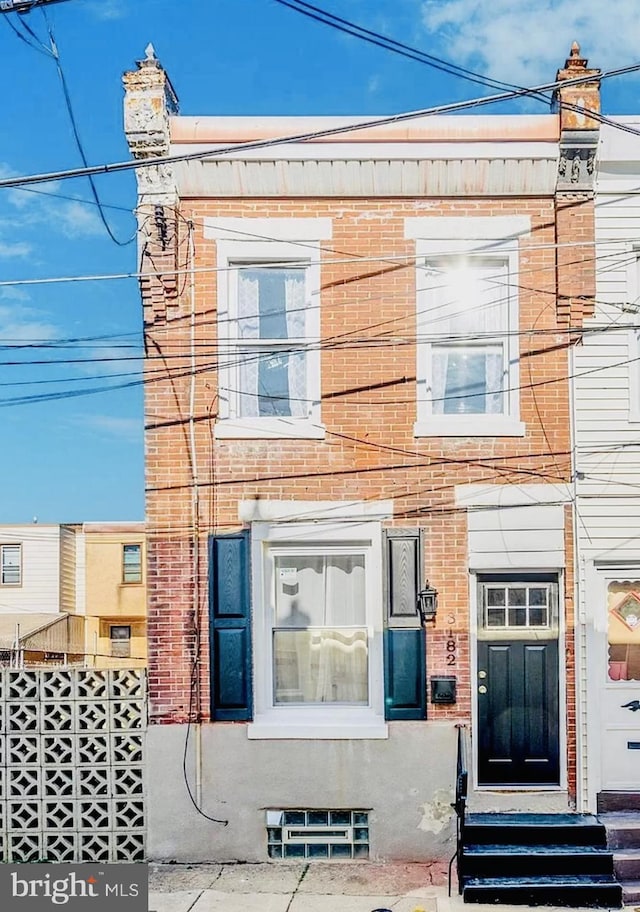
(11,565)
(120,636)
(132,563)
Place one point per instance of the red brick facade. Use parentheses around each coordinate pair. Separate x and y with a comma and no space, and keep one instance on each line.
(368,384)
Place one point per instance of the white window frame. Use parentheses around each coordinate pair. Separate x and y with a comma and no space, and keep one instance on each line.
(315,721)
(3,549)
(125,566)
(262,241)
(488,237)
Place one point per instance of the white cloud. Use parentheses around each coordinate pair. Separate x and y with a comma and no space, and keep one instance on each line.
(111,359)
(78,220)
(521,42)
(13,293)
(16,249)
(20,323)
(108,9)
(129,429)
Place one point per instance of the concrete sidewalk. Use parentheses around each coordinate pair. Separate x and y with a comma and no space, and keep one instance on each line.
(298,887)
(301,887)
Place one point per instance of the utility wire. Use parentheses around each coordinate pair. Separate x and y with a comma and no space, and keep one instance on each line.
(114,167)
(76,135)
(348,27)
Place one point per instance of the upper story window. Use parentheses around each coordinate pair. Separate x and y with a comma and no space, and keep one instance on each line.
(467,326)
(467,319)
(132,563)
(268,306)
(11,565)
(269,341)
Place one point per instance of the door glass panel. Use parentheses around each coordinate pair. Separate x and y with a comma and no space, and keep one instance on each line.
(520,606)
(623,629)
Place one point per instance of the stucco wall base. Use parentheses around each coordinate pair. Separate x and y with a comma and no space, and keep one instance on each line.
(406,782)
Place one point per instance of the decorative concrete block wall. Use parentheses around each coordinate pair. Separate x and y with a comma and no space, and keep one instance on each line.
(71,765)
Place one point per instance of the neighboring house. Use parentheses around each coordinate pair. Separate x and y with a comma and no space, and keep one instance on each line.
(38,595)
(115,594)
(73,593)
(607,461)
(356,395)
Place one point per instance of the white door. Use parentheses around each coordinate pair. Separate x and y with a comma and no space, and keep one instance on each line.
(620,683)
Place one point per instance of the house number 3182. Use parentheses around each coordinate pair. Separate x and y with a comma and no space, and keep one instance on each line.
(451,648)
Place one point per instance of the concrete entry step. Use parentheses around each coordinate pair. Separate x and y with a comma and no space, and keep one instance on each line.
(612,802)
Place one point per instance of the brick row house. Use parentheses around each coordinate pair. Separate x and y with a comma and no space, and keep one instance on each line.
(359,511)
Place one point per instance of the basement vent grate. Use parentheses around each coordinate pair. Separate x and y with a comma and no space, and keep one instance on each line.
(318,834)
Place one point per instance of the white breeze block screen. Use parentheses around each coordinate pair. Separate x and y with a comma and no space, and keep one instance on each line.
(71,765)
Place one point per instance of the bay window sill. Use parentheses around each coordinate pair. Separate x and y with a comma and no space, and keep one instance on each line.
(339,723)
(268,429)
(469,426)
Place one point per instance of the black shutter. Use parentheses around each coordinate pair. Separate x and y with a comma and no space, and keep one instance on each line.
(230,627)
(405,673)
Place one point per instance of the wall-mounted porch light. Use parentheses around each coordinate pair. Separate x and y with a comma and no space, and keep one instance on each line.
(427,603)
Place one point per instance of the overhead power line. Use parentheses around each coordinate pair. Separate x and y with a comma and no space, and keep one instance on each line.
(24,6)
(317,14)
(452,107)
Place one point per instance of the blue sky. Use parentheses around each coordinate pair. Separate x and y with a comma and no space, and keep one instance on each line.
(73,458)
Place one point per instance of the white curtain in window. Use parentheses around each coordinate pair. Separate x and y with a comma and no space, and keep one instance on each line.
(248,328)
(322,656)
(255,301)
(295,295)
(470,300)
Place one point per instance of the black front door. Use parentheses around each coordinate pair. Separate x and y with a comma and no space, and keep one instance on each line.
(517,683)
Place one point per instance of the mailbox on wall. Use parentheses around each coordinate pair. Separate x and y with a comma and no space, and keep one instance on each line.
(443,689)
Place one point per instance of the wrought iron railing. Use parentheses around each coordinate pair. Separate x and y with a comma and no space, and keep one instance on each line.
(460,804)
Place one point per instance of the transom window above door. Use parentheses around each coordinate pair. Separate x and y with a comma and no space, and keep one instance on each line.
(517,605)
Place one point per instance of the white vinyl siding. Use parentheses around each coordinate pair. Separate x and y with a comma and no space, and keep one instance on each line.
(606,364)
(41,586)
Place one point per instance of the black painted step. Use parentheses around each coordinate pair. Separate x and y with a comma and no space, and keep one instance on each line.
(534,829)
(570,891)
(535,860)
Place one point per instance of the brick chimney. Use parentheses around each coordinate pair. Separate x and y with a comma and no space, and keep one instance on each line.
(584,94)
(575,185)
(149,103)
